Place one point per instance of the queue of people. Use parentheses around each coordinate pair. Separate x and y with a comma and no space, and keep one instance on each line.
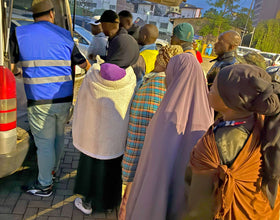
(144,121)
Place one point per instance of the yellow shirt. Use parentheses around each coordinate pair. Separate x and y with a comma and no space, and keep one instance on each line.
(150,57)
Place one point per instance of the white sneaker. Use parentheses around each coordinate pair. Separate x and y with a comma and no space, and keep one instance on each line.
(79,204)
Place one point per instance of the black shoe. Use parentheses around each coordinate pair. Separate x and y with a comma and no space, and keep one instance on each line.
(54,177)
(38,190)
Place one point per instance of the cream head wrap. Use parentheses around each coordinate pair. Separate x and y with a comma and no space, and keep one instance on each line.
(166,52)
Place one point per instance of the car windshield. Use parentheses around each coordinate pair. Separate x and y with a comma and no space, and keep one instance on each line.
(86,34)
(268,55)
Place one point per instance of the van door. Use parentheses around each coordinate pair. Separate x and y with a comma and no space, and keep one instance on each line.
(12,14)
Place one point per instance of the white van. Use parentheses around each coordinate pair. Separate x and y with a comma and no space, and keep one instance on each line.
(15,142)
(277,60)
(241,51)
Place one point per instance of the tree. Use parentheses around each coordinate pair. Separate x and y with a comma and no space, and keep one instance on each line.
(239,20)
(266,36)
(217,23)
(224,15)
(226,7)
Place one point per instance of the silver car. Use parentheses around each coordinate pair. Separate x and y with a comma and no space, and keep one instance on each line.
(82,37)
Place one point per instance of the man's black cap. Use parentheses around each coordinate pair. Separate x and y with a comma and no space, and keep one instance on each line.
(109,16)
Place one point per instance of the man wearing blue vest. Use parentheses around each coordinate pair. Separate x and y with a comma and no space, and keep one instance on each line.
(46,52)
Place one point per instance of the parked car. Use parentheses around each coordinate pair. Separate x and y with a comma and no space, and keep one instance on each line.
(269,57)
(243,50)
(276,60)
(82,37)
(274,72)
(83,21)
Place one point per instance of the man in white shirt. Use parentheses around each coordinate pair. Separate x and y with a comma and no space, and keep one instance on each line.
(99,41)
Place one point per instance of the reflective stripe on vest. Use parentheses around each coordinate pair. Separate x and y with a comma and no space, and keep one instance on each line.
(34,63)
(42,80)
(45,57)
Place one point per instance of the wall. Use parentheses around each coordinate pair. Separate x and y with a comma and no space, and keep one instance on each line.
(123,5)
(105,4)
(144,8)
(162,23)
(188,12)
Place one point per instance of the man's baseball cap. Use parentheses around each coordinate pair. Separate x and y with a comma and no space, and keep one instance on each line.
(109,16)
(40,6)
(95,20)
(184,32)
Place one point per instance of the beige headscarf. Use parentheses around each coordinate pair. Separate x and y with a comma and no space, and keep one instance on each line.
(166,52)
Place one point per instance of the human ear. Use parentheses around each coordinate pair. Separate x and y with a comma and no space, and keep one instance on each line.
(232,47)
(144,37)
(52,15)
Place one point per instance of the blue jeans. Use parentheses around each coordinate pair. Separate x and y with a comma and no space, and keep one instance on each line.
(47,124)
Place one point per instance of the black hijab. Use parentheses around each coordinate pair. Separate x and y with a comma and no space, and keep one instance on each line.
(123,49)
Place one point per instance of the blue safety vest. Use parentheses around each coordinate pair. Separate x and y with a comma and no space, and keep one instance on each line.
(45,56)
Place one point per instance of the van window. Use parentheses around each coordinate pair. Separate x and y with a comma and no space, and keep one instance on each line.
(22,8)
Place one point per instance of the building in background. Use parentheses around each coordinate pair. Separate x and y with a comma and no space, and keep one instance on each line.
(184,11)
(174,12)
(190,11)
(265,9)
(160,10)
(124,5)
(146,12)
(104,4)
(163,24)
(145,7)
(93,7)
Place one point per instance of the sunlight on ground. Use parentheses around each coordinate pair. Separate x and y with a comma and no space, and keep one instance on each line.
(60,204)
(69,175)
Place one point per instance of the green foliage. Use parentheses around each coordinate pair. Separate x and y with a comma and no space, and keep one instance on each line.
(266,36)
(239,21)
(217,23)
(228,7)
(224,15)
